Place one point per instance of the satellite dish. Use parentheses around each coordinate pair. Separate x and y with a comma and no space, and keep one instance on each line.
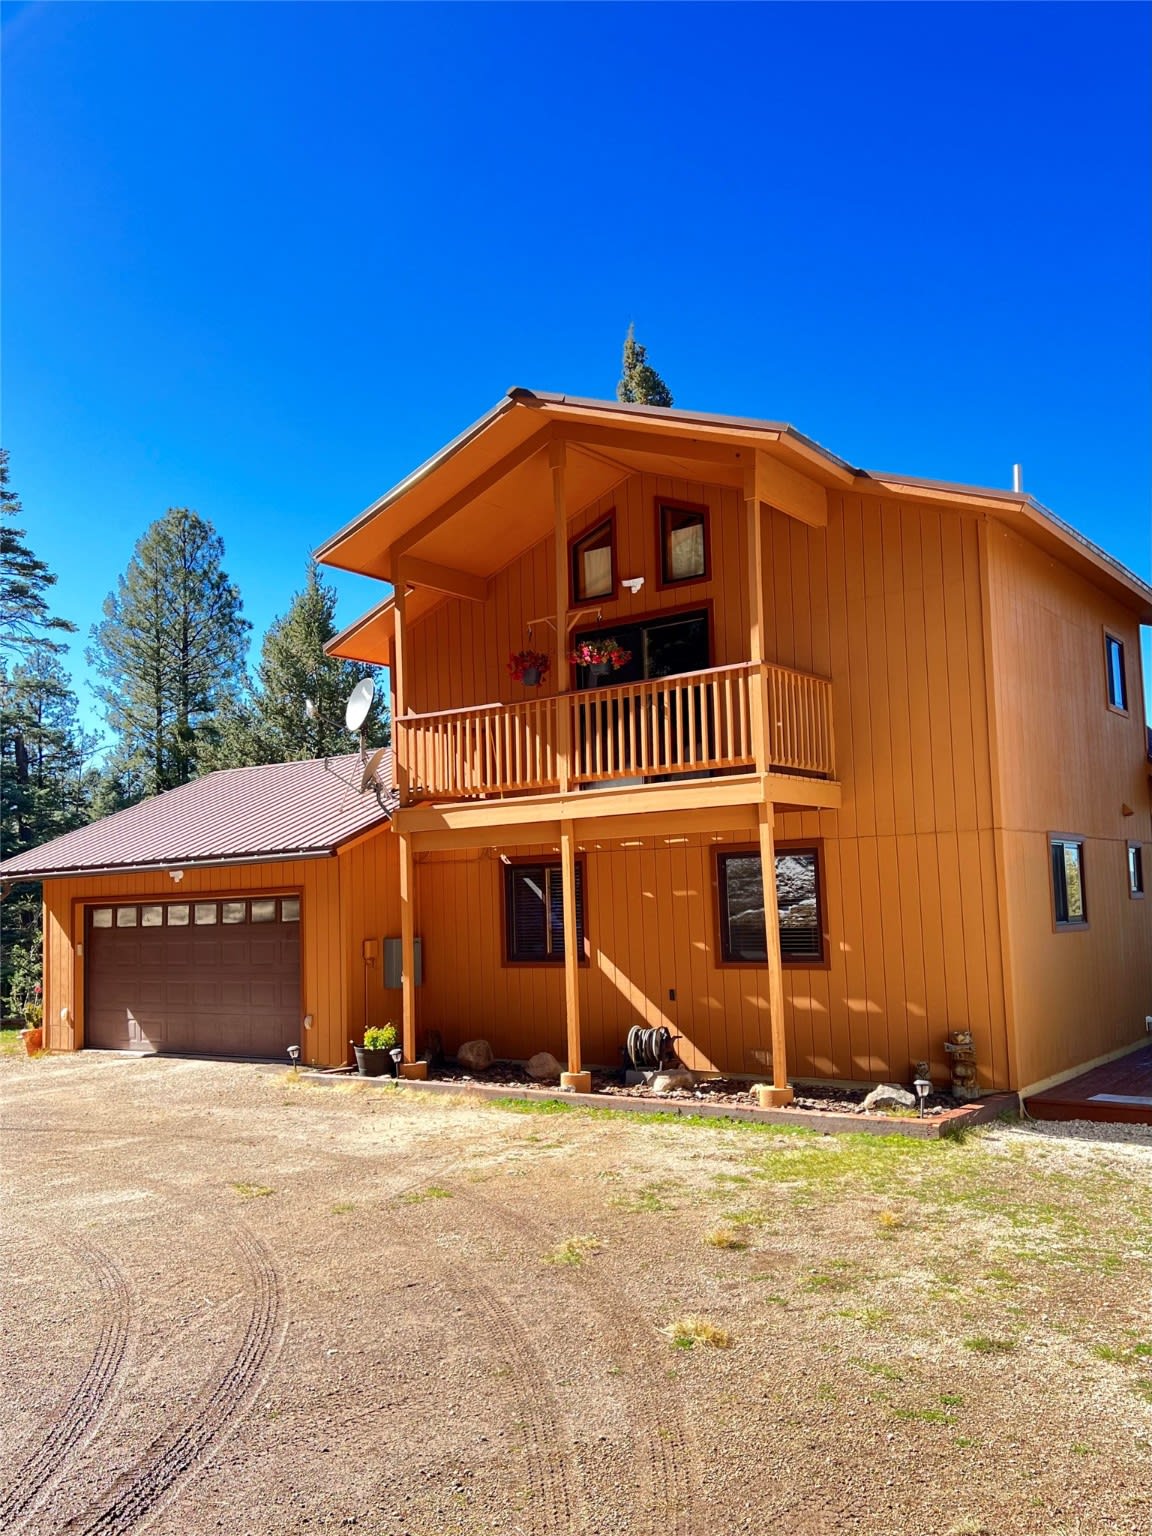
(368,777)
(359,703)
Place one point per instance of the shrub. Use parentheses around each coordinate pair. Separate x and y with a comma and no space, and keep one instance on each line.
(380,1038)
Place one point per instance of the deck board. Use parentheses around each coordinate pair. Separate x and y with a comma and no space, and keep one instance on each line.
(1120,1090)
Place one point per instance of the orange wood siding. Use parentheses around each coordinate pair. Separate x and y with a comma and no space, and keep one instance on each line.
(1068,764)
(340,905)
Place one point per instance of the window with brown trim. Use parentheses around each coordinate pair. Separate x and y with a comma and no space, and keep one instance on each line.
(1135,869)
(594,562)
(683,543)
(1070,906)
(1117,675)
(743,937)
(534,913)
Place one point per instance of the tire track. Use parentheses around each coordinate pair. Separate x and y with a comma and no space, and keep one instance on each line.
(178,1453)
(71,1429)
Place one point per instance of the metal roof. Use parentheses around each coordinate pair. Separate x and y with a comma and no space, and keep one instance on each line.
(238,815)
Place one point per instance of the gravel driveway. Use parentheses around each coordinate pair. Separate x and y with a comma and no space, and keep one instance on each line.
(240,1303)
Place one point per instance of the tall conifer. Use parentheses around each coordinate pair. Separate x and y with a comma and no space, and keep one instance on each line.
(639,383)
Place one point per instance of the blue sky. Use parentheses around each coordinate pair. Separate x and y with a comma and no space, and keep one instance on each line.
(262,259)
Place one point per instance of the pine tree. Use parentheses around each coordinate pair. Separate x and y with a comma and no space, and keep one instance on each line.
(25,619)
(171,648)
(275,725)
(640,384)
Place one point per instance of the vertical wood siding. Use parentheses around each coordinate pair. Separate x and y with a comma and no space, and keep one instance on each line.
(1068,764)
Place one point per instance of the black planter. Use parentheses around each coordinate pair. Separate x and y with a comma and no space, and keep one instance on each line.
(374,1063)
(600,671)
(531,678)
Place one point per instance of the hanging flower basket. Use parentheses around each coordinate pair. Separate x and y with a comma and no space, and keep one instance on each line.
(529,667)
(600,656)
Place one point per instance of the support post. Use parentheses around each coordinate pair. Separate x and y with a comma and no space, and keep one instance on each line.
(399,704)
(409,1067)
(575,1078)
(754,554)
(557,463)
(779,1094)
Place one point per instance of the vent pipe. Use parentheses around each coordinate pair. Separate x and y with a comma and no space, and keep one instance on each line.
(1018,479)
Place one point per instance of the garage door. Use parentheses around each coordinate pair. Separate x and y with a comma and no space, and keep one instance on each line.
(216,978)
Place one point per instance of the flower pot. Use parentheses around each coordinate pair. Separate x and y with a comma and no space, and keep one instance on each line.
(33,1039)
(599,671)
(531,678)
(374,1063)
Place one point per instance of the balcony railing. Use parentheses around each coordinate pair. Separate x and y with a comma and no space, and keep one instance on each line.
(694,722)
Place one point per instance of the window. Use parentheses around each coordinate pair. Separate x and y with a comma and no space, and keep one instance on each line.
(594,562)
(534,912)
(1069,904)
(683,544)
(1135,870)
(290,909)
(205,914)
(125,917)
(234,911)
(151,917)
(743,938)
(102,917)
(178,915)
(1117,678)
(264,911)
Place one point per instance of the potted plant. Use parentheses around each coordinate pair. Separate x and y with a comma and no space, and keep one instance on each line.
(529,667)
(33,1032)
(374,1057)
(601,656)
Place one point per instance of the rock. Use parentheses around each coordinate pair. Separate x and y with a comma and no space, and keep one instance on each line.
(543,1067)
(889,1096)
(668,1082)
(475,1056)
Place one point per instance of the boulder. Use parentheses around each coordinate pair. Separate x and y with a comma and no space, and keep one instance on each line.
(475,1056)
(543,1067)
(889,1096)
(669,1082)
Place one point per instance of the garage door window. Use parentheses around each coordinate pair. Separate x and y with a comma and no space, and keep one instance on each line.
(290,909)
(264,911)
(152,917)
(235,911)
(125,917)
(102,917)
(205,913)
(178,915)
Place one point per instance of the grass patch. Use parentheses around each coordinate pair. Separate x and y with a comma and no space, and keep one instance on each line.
(983,1345)
(573,1250)
(342,1207)
(726,1237)
(688,1331)
(650,1198)
(253,1191)
(432,1192)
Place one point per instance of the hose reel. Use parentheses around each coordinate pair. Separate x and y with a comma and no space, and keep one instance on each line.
(648,1050)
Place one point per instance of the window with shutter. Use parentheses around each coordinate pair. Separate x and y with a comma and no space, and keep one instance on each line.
(534,912)
(743,938)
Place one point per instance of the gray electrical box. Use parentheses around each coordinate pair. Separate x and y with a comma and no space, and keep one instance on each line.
(394,964)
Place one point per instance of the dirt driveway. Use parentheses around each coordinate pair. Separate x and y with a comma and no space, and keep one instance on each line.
(240,1304)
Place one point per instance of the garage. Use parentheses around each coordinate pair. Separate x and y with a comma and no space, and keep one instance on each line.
(204,978)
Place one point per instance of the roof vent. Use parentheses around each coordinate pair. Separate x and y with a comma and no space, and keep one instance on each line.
(1018,479)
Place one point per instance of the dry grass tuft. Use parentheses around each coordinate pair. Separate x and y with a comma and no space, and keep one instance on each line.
(253,1191)
(688,1331)
(573,1250)
(725,1237)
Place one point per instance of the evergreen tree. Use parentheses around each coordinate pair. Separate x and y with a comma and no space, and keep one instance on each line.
(640,384)
(275,724)
(25,619)
(170,649)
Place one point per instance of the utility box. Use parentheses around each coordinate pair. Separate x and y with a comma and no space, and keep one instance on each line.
(394,963)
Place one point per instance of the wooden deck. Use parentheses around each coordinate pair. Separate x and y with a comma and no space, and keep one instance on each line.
(1120,1090)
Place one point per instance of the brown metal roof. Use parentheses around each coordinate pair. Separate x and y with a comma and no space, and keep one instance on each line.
(239,815)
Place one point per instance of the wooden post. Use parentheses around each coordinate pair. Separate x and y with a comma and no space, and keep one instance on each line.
(758,682)
(575,1077)
(779,1093)
(557,463)
(410,1067)
(399,706)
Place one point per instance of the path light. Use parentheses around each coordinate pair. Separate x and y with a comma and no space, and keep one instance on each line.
(294,1057)
(923,1088)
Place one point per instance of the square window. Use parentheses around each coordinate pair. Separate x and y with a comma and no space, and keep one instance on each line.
(534,912)
(1069,903)
(102,917)
(1117,677)
(151,917)
(594,562)
(1135,869)
(743,938)
(234,911)
(290,909)
(125,917)
(205,913)
(683,544)
(264,911)
(178,915)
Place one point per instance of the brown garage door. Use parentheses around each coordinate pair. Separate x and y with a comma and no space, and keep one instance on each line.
(215,978)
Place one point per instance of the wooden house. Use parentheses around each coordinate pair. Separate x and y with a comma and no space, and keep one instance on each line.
(874,768)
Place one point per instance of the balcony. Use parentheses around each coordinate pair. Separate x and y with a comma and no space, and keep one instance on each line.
(630,733)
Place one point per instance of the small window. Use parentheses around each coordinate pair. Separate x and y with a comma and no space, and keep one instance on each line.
(151,917)
(264,911)
(102,917)
(1070,905)
(178,915)
(683,544)
(205,913)
(534,912)
(1117,677)
(290,909)
(594,563)
(234,911)
(743,938)
(1135,870)
(125,917)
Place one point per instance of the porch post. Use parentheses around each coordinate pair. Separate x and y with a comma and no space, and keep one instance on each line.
(410,1067)
(557,462)
(758,685)
(575,1077)
(779,1093)
(399,705)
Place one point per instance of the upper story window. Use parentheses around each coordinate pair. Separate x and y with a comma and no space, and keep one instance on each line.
(1135,870)
(1069,904)
(534,912)
(683,543)
(743,939)
(594,562)
(1117,677)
